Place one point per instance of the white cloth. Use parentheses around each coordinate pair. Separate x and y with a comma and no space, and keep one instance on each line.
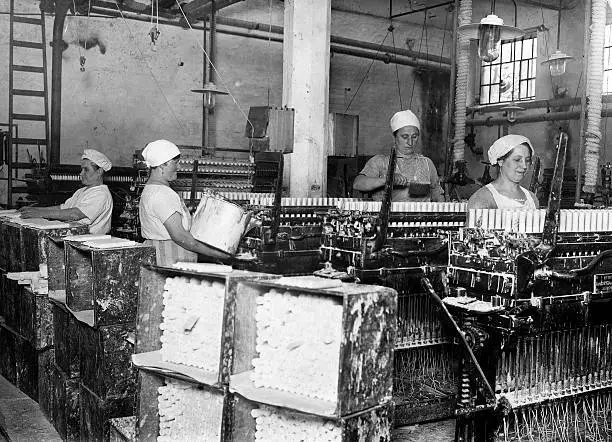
(404,118)
(96,203)
(158,152)
(97,158)
(503,202)
(505,144)
(157,204)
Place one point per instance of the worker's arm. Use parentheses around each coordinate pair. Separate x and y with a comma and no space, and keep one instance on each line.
(367,184)
(53,212)
(185,239)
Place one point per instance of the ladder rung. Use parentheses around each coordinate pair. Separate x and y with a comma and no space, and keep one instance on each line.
(22,68)
(33,141)
(28,93)
(27,44)
(29,20)
(29,117)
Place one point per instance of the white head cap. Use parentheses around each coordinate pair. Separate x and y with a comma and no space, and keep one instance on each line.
(404,118)
(505,144)
(158,152)
(97,158)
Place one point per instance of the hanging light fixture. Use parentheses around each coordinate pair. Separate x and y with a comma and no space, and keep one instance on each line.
(489,33)
(558,60)
(209,91)
(511,111)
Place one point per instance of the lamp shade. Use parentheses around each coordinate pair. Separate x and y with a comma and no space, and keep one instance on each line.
(209,91)
(489,33)
(557,63)
(511,111)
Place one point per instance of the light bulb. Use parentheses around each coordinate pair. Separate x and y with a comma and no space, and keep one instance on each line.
(489,42)
(209,100)
(557,67)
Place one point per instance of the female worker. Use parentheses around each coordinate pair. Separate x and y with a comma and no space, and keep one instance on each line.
(416,178)
(164,218)
(512,156)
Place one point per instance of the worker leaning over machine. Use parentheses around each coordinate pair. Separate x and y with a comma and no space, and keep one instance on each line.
(512,156)
(92,204)
(416,177)
(164,218)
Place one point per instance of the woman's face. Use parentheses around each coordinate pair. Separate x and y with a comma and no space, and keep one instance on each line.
(170,168)
(406,139)
(515,165)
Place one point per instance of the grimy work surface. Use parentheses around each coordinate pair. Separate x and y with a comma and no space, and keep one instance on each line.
(20,417)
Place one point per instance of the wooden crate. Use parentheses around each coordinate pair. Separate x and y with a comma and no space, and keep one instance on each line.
(364,361)
(37,242)
(66,339)
(105,358)
(36,318)
(66,410)
(150,310)
(95,414)
(10,302)
(4,245)
(374,424)
(46,368)
(14,251)
(105,280)
(26,366)
(213,415)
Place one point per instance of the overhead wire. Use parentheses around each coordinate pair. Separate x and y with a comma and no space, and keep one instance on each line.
(219,76)
(399,90)
(423,32)
(149,67)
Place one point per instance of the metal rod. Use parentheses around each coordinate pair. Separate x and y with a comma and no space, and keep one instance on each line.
(427,8)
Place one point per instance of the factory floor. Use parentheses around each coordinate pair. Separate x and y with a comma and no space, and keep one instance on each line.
(22,420)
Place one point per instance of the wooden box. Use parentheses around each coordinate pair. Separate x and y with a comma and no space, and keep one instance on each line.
(359,346)
(4,245)
(14,252)
(95,414)
(105,357)
(36,318)
(66,339)
(105,280)
(3,294)
(7,355)
(36,243)
(66,410)
(46,368)
(151,307)
(10,303)
(374,424)
(207,411)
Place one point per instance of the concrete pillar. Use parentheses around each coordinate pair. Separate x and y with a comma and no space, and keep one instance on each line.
(306,89)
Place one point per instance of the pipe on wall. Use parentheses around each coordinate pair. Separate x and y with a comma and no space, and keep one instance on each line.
(551,116)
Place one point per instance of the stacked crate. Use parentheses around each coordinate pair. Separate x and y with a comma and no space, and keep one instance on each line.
(26,330)
(237,394)
(94,316)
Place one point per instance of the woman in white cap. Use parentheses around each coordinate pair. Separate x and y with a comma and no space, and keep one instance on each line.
(92,204)
(512,156)
(164,218)
(416,177)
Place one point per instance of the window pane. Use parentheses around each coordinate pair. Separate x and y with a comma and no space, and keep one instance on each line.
(524,69)
(532,69)
(494,93)
(507,96)
(506,54)
(607,35)
(484,95)
(607,77)
(527,48)
(486,74)
(495,74)
(531,89)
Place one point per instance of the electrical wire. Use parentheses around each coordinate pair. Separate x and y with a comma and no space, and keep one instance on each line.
(423,32)
(219,76)
(366,74)
(149,67)
(399,90)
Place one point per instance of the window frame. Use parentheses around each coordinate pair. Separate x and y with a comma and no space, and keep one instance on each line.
(524,82)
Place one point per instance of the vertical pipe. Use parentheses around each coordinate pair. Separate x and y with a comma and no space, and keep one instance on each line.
(579,160)
(205,116)
(451,114)
(53,152)
(213,30)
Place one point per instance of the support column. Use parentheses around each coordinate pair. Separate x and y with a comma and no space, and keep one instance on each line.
(306,89)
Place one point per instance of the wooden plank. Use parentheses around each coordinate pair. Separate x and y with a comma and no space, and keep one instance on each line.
(36,318)
(106,356)
(26,367)
(147,416)
(66,338)
(14,261)
(35,243)
(95,414)
(22,420)
(150,309)
(46,367)
(79,278)
(66,413)
(7,355)
(56,265)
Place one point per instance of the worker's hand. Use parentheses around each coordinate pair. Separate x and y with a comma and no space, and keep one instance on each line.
(400,180)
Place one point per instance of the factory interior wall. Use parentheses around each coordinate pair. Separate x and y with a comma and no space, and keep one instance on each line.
(132,92)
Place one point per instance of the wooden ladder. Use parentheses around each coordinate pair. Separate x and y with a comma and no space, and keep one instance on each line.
(29,112)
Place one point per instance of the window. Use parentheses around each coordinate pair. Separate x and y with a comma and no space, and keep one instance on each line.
(607,83)
(512,76)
